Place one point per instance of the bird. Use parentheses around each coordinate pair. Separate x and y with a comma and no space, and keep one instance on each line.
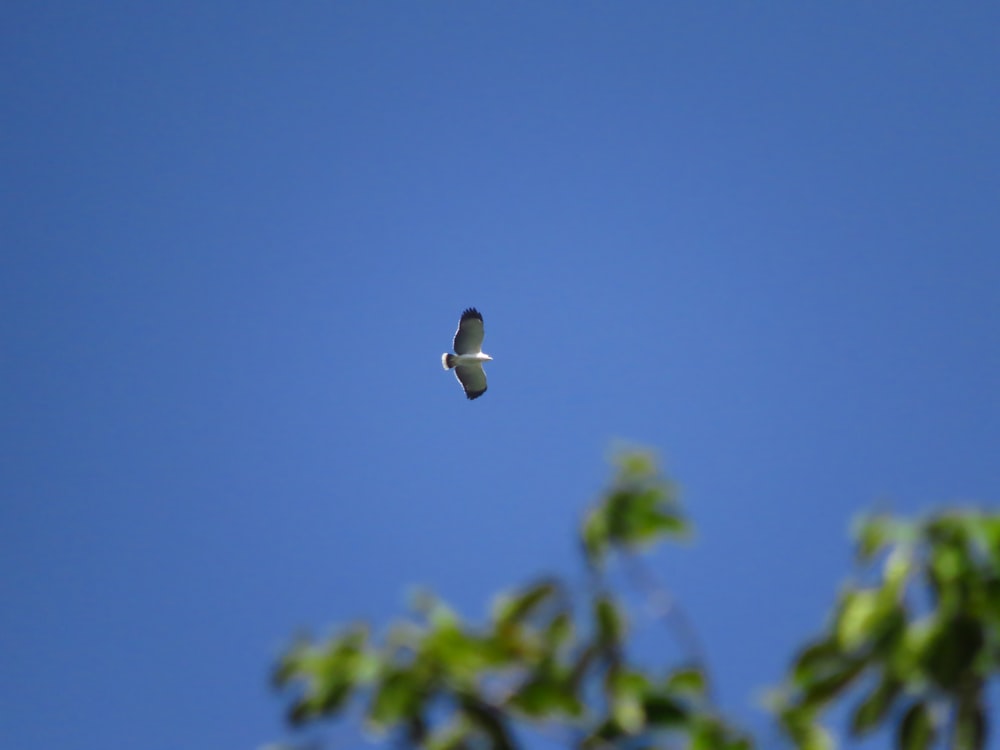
(469,358)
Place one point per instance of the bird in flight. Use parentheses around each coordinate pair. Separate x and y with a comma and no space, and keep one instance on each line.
(468,358)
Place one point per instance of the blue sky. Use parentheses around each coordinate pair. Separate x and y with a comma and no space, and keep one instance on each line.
(237,237)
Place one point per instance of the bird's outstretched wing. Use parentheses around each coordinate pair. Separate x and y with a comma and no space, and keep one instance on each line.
(473,380)
(469,336)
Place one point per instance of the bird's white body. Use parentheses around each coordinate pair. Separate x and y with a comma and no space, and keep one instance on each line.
(454,360)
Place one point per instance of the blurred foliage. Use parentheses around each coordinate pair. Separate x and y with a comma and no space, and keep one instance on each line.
(554,660)
(915,639)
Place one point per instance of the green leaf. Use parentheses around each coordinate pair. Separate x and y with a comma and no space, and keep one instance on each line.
(873,709)
(510,610)
(489,720)
(707,734)
(816,738)
(546,693)
(625,693)
(603,736)
(800,724)
(331,673)
(559,631)
(856,614)
(610,621)
(690,681)
(916,731)
(865,615)
(872,533)
(898,568)
(825,688)
(291,663)
(452,736)
(627,711)
(952,649)
(595,536)
(949,562)
(970,725)
(816,659)
(663,710)
(908,658)
(398,696)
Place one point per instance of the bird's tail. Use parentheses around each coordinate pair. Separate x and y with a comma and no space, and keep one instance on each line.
(448,360)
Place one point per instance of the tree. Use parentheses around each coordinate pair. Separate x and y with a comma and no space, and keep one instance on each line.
(918,635)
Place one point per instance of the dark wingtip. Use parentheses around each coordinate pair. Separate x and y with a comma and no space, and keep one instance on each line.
(471,312)
(474,394)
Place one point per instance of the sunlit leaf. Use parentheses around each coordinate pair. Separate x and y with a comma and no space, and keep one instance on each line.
(865,614)
(625,691)
(817,738)
(627,711)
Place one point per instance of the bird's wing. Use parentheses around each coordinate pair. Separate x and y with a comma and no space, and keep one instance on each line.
(473,380)
(469,336)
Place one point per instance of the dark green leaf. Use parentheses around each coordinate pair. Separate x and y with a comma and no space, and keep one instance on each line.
(814,660)
(610,621)
(952,650)
(970,727)
(549,690)
(514,609)
(489,720)
(603,736)
(710,733)
(827,687)
(916,731)
(663,710)
(874,708)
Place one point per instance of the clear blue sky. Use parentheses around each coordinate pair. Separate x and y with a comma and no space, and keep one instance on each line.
(761,238)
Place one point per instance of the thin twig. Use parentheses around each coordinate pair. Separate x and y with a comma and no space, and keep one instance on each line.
(666,609)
